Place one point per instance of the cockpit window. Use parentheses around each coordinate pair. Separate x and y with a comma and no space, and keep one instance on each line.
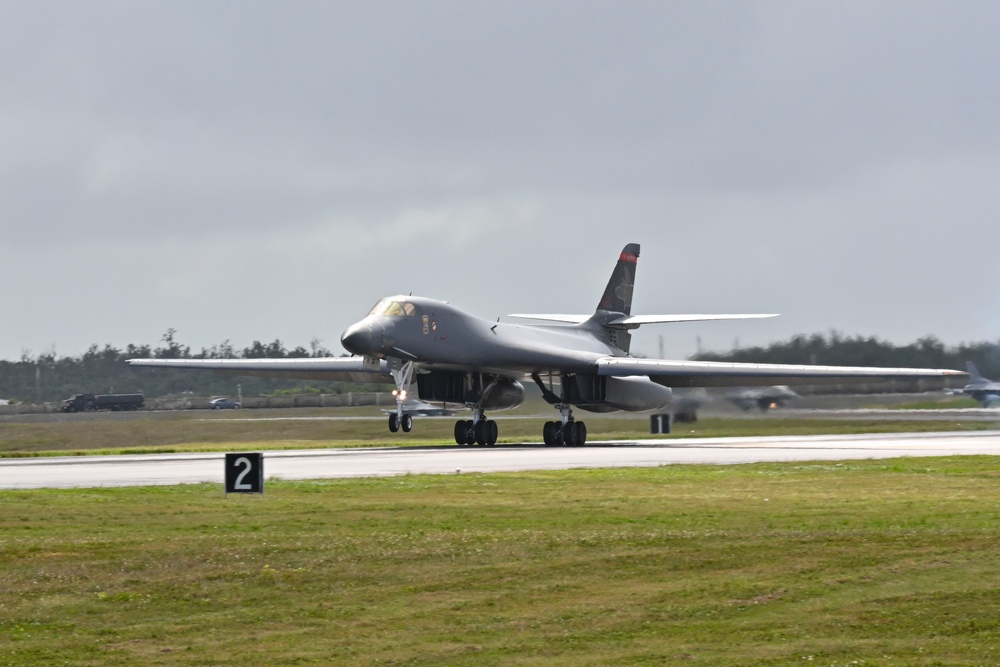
(393,308)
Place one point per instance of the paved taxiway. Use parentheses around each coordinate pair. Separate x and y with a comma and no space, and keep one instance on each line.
(159,469)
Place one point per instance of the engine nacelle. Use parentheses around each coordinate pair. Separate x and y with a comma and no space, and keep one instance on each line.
(505,395)
(610,394)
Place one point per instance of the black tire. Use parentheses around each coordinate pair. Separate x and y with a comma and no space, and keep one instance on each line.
(393,422)
(548,434)
(581,434)
(487,432)
(556,434)
(460,432)
(569,434)
(407,423)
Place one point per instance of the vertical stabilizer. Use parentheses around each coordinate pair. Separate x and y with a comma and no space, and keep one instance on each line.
(974,375)
(618,294)
(617,299)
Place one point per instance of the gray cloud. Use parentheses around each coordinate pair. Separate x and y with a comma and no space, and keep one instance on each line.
(265,169)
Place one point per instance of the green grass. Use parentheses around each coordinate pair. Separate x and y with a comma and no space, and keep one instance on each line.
(948,403)
(147,432)
(893,562)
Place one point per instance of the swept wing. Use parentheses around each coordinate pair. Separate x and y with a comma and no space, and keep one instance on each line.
(671,373)
(636,320)
(346,369)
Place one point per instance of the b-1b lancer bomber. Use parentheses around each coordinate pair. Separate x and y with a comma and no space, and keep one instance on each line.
(578,361)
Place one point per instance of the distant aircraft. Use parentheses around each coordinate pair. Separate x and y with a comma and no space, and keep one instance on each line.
(983,390)
(580,361)
(765,398)
(413,406)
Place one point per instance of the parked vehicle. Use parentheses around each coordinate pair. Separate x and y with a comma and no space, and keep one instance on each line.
(85,402)
(224,404)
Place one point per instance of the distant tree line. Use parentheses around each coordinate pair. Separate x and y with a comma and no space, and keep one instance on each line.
(835,349)
(46,377)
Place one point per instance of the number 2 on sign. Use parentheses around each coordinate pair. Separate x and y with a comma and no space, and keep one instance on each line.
(247,466)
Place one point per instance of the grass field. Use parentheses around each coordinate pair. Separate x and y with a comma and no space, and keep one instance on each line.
(856,563)
(950,402)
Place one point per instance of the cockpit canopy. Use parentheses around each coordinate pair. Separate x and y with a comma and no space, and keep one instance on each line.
(393,308)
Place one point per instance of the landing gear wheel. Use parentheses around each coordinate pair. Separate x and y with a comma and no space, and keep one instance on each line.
(393,422)
(460,432)
(470,432)
(552,434)
(569,434)
(486,432)
(407,423)
(581,434)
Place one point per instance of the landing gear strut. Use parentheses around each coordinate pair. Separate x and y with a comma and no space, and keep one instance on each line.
(566,431)
(402,377)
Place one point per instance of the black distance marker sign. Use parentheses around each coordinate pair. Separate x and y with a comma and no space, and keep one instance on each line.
(245,472)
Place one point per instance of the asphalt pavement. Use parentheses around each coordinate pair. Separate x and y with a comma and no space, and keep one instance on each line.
(167,469)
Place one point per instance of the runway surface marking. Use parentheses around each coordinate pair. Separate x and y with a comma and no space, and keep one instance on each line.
(166,469)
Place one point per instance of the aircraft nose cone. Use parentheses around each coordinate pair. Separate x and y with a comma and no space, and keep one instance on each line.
(358,339)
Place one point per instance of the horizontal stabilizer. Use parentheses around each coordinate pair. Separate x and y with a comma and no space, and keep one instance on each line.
(723,374)
(346,369)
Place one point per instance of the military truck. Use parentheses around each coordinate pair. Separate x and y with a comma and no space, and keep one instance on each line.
(86,402)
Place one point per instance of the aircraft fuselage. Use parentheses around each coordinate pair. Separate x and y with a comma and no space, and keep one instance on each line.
(435,334)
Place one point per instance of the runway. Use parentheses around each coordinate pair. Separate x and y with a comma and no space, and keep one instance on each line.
(166,469)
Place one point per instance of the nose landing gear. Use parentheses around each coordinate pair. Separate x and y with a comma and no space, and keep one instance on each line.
(396,422)
(402,375)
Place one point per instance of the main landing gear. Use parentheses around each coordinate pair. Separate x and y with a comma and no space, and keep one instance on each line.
(566,432)
(476,431)
(479,430)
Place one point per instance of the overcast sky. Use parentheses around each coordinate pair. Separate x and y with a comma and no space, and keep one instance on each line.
(260,170)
